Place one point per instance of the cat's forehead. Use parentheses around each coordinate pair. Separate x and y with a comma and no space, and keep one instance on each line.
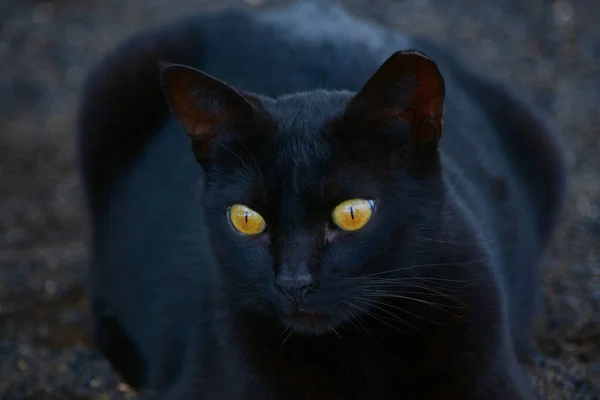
(299,160)
(301,126)
(291,155)
(304,114)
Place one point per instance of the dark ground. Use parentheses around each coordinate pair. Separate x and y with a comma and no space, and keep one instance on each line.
(548,50)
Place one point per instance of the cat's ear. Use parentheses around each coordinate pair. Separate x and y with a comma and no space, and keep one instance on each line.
(204,105)
(408,86)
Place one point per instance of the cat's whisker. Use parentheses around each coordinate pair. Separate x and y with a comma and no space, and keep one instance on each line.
(441,294)
(484,242)
(335,331)
(351,319)
(386,290)
(387,293)
(419,266)
(376,303)
(251,155)
(415,299)
(393,285)
(368,284)
(440,290)
(363,324)
(374,316)
(417,315)
(413,278)
(382,303)
(442,307)
(357,318)
(386,286)
(235,154)
(284,330)
(444,285)
(289,331)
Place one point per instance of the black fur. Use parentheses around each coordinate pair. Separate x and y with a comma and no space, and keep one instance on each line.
(190,306)
(117,347)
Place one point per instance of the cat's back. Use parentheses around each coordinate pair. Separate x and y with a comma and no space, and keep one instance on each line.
(309,45)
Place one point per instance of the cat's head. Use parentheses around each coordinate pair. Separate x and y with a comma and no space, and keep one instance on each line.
(314,200)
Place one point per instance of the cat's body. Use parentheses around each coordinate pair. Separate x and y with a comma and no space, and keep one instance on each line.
(474,236)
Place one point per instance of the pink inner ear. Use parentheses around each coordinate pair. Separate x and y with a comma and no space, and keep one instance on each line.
(428,123)
(202,102)
(200,128)
(422,87)
(427,109)
(428,103)
(428,98)
(433,110)
(196,123)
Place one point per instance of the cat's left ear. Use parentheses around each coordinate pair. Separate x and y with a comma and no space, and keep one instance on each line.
(205,106)
(408,86)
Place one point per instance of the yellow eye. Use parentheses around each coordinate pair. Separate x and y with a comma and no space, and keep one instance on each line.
(246,220)
(352,215)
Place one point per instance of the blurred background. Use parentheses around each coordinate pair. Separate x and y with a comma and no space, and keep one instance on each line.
(547,50)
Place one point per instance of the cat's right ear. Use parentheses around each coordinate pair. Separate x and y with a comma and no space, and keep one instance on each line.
(407,87)
(205,106)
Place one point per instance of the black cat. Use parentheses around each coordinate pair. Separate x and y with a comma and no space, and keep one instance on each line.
(352,221)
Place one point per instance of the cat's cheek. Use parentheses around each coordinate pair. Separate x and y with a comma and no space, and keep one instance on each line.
(251,252)
(331,234)
(334,235)
(262,240)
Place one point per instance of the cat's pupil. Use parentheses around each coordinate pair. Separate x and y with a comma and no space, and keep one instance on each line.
(246,216)
(352,212)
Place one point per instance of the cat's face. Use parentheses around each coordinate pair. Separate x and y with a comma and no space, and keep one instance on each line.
(312,198)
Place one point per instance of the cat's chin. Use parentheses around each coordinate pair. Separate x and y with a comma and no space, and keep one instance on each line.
(310,323)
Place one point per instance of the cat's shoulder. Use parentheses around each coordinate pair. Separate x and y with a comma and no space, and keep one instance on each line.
(529,140)
(325,21)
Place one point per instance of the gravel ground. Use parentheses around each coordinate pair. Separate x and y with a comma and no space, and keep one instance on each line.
(549,50)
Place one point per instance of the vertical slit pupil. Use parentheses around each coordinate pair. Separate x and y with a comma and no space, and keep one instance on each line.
(246,216)
(352,212)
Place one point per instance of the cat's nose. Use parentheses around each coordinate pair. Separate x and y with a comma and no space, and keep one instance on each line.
(295,288)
